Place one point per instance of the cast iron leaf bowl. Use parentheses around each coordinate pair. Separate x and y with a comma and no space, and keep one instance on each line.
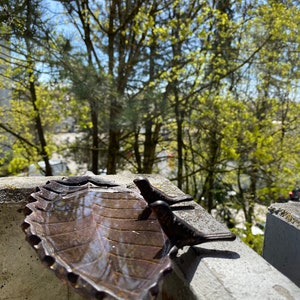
(88,233)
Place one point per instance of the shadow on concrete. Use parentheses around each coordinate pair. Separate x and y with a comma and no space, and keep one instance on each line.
(189,261)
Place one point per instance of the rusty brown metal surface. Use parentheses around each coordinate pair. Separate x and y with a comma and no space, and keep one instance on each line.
(90,235)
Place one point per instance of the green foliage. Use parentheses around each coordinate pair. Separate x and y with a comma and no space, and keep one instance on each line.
(256,242)
(19,119)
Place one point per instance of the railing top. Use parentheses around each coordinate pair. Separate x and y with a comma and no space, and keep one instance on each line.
(219,270)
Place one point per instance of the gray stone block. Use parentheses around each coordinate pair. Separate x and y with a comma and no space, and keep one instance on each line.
(282,239)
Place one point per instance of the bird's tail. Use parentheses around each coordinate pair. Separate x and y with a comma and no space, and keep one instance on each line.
(220,236)
(184,198)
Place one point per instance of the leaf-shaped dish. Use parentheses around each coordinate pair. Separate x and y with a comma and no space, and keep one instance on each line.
(90,236)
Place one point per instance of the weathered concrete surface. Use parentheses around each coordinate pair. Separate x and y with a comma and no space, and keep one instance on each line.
(22,276)
(282,239)
(220,270)
(18,189)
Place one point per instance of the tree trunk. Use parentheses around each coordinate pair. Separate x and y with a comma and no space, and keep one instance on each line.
(113,149)
(176,52)
(113,140)
(40,131)
(179,139)
(208,191)
(151,140)
(137,153)
(32,90)
(95,141)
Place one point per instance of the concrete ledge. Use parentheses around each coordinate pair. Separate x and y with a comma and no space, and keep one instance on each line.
(220,270)
(282,239)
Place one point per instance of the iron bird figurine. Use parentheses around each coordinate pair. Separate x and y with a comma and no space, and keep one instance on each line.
(179,232)
(152,194)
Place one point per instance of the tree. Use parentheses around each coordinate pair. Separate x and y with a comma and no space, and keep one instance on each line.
(24,36)
(120,49)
